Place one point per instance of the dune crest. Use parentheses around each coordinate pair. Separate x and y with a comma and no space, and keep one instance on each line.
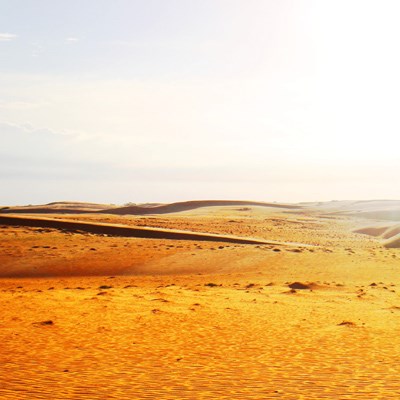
(57,207)
(393,242)
(191,205)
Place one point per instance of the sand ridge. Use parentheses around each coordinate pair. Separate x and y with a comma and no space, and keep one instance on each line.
(67,207)
(127,231)
(191,205)
(389,234)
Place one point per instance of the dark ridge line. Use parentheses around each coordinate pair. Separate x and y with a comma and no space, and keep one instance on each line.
(146,210)
(125,231)
(44,211)
(191,205)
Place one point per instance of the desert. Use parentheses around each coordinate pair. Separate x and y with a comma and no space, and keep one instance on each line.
(199,200)
(200,300)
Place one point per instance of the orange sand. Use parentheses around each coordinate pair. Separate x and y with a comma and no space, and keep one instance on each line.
(88,316)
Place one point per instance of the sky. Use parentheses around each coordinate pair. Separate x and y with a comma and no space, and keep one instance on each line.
(166,100)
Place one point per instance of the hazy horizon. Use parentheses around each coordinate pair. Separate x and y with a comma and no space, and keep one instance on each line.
(162,101)
(127,203)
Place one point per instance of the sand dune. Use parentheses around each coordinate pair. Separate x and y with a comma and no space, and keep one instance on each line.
(366,209)
(390,215)
(127,231)
(377,230)
(59,207)
(374,209)
(391,231)
(386,214)
(190,205)
(389,234)
(383,231)
(393,242)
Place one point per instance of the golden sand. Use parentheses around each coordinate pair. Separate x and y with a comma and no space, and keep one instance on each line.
(88,316)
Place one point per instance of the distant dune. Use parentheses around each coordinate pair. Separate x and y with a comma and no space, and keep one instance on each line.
(59,207)
(191,205)
(386,214)
(388,210)
(389,215)
(374,230)
(393,243)
(389,233)
(137,209)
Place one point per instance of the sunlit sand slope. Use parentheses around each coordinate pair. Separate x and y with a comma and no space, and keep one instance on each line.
(392,243)
(126,231)
(389,234)
(183,338)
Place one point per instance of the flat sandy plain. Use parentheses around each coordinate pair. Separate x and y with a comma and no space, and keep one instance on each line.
(309,310)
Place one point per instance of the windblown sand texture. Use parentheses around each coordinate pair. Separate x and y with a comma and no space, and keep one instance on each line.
(303,304)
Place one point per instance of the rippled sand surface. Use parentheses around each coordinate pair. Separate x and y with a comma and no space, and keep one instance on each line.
(188,341)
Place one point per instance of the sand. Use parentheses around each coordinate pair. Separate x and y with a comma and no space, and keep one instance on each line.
(389,233)
(93,316)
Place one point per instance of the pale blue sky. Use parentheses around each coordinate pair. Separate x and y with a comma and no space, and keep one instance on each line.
(117,101)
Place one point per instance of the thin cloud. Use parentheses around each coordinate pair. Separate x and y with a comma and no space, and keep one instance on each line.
(7,37)
(72,39)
